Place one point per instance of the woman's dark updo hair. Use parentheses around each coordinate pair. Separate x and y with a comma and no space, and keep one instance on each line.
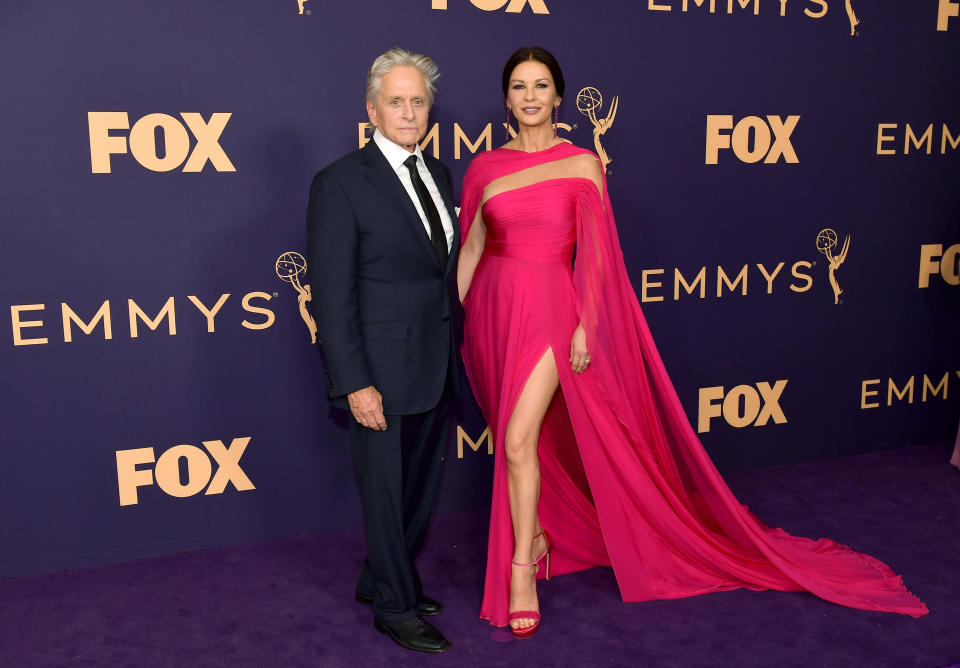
(538,54)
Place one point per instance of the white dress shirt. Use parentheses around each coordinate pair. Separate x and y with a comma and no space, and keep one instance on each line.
(395,155)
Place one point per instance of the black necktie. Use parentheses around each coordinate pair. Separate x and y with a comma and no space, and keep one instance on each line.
(437,236)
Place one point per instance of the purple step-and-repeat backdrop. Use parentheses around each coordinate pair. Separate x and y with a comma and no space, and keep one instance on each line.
(785,176)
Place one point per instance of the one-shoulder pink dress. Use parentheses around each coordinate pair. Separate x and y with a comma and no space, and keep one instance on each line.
(625,481)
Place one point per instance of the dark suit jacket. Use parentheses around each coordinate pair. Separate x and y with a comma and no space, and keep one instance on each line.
(385,308)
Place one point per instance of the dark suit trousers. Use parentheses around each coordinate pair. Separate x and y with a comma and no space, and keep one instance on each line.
(397,472)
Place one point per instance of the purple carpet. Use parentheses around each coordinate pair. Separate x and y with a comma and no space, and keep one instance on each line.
(290,603)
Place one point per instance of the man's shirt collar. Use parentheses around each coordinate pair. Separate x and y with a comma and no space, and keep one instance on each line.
(394,153)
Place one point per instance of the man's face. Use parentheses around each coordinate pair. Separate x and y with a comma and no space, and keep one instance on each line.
(401,109)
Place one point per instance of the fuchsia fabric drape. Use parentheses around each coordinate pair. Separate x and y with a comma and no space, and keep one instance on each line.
(625,480)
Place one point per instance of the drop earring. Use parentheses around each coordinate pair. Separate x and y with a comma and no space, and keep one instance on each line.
(556,120)
(507,126)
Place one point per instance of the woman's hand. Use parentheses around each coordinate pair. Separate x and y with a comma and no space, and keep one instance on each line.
(579,357)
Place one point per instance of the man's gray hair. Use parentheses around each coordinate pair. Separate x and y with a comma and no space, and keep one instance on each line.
(398,57)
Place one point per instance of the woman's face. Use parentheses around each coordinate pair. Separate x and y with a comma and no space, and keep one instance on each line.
(531,93)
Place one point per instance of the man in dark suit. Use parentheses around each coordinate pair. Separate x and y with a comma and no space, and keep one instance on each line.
(382,245)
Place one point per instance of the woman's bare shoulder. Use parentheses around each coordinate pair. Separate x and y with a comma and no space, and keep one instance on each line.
(585,164)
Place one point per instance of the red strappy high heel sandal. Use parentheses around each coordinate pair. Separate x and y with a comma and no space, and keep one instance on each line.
(533,614)
(546,553)
(520,634)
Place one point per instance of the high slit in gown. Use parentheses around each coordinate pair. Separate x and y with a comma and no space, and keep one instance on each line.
(625,481)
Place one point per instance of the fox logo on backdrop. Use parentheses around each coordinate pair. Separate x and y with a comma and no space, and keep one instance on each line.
(948,9)
(743,405)
(814,9)
(141,141)
(166,471)
(509,6)
(935,260)
(752,139)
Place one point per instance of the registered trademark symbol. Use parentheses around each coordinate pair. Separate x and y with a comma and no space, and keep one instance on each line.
(814,263)
(308,12)
(275,294)
(575,126)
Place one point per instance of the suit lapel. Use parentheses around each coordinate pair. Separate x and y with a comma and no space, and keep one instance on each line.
(440,178)
(386,182)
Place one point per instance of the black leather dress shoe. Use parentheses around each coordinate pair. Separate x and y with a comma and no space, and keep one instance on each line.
(429,607)
(426,608)
(415,634)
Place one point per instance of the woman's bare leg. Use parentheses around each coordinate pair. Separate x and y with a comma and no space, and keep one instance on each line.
(523,474)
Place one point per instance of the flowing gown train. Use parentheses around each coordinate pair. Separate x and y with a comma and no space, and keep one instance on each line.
(625,481)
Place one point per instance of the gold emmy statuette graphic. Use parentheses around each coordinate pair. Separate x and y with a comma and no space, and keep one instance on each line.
(290,267)
(826,242)
(589,100)
(300,4)
(854,22)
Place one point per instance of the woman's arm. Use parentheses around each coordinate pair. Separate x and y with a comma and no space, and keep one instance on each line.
(470,254)
(589,167)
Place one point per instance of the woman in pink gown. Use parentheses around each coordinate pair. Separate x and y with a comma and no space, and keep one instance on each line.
(608,465)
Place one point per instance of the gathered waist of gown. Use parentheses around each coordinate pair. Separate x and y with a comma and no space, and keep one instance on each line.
(537,253)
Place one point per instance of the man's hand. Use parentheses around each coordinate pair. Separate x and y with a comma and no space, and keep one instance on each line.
(366,404)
